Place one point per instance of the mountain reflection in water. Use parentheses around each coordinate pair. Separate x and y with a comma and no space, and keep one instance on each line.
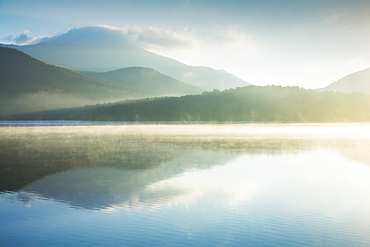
(103,186)
(100,166)
(261,184)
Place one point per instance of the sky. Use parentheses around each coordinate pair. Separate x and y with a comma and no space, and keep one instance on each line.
(306,43)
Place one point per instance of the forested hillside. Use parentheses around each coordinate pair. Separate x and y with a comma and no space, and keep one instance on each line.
(251,103)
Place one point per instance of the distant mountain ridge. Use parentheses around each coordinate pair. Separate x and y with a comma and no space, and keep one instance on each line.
(145,79)
(99,49)
(28,84)
(356,82)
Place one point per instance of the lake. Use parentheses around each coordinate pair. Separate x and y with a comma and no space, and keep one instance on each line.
(155,184)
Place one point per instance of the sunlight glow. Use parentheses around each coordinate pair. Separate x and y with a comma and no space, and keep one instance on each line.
(250,179)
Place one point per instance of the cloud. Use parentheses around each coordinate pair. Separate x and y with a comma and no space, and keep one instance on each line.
(21,38)
(161,38)
(234,40)
(90,35)
(220,48)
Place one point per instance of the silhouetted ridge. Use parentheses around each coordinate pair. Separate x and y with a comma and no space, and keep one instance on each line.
(28,84)
(146,79)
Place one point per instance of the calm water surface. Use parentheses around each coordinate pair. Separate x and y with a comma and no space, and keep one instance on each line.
(184,185)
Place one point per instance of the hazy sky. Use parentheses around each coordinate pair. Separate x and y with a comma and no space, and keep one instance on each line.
(308,43)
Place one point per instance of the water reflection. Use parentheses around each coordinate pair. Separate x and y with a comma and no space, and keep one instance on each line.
(29,154)
(101,186)
(99,167)
(232,178)
(209,186)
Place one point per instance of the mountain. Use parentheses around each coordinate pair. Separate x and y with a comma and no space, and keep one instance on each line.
(355,82)
(252,103)
(28,84)
(145,79)
(100,49)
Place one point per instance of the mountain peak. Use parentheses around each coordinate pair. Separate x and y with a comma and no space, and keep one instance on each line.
(104,48)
